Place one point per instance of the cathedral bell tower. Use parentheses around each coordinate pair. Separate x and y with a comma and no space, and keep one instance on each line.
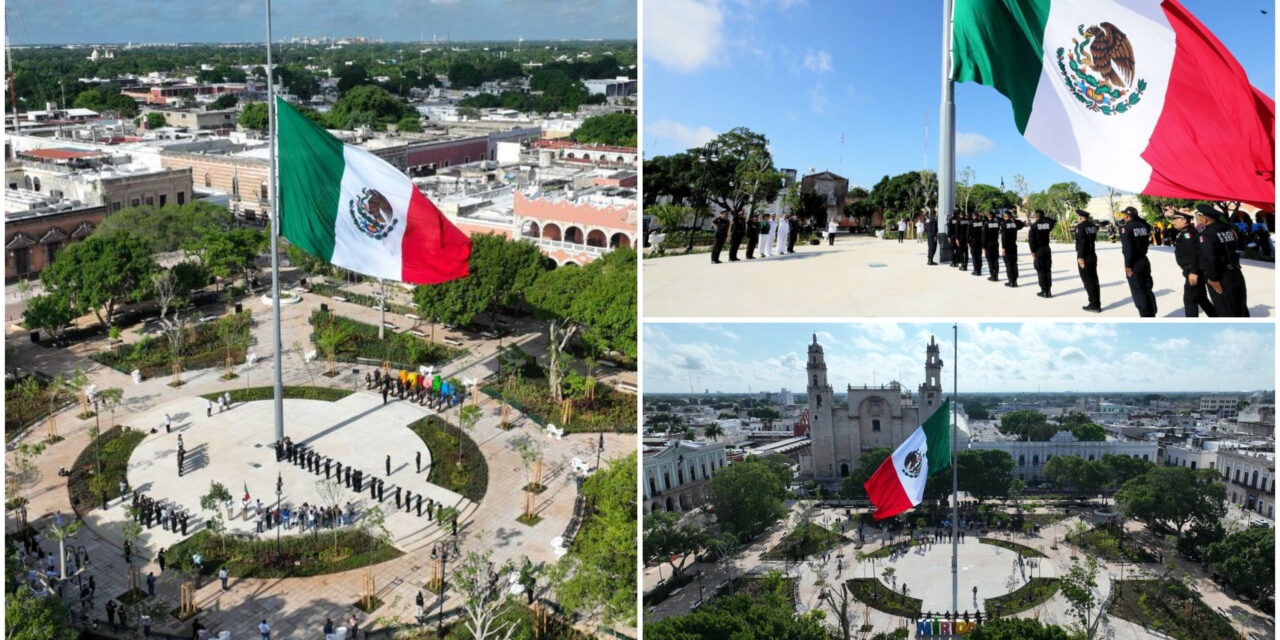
(931,390)
(821,408)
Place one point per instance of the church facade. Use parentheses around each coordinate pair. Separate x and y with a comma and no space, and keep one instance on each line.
(869,417)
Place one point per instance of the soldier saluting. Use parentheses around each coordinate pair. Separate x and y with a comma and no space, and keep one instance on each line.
(991,243)
(1009,245)
(1221,264)
(1087,259)
(1186,252)
(1135,237)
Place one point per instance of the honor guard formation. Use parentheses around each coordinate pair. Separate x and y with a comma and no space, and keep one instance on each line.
(1206,248)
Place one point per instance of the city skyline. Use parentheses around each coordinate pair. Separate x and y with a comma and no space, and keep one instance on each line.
(995,357)
(63,22)
(857,100)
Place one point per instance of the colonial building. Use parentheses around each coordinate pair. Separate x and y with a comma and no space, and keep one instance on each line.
(677,477)
(833,189)
(871,417)
(1029,458)
(1251,479)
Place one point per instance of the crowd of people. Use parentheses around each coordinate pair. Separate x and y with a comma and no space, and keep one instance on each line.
(1206,248)
(434,392)
(771,235)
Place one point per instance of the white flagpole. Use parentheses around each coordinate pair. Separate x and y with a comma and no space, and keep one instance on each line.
(955,510)
(275,233)
(946,139)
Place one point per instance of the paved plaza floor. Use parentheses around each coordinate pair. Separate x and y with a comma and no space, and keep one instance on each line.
(235,448)
(926,570)
(861,276)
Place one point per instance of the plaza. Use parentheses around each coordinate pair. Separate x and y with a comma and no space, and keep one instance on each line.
(862,276)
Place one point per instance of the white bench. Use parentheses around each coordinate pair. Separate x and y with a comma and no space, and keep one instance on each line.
(339,298)
(579,466)
(412,316)
(419,333)
(453,341)
(554,433)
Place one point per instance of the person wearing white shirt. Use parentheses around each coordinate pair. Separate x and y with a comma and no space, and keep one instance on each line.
(832,228)
(766,225)
(783,231)
(902,229)
(919,230)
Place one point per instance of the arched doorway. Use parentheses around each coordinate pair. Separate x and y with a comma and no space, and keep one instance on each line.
(671,505)
(551,231)
(596,238)
(619,240)
(530,229)
(844,469)
(573,234)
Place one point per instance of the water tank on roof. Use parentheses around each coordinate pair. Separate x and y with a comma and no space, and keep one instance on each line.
(544,158)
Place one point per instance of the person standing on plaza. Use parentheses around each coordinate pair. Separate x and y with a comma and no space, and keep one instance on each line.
(962,240)
(1087,259)
(223,574)
(208,408)
(160,559)
(1038,239)
(930,230)
(832,228)
(920,230)
(991,245)
(793,233)
(783,231)
(762,235)
(168,423)
(736,233)
(1221,264)
(720,229)
(1186,252)
(1009,246)
(151,583)
(265,630)
(774,222)
(388,464)
(1135,237)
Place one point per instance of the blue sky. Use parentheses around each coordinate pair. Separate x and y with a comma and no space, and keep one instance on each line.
(803,72)
(76,21)
(1164,357)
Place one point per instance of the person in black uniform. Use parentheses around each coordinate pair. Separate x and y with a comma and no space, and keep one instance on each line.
(793,232)
(1087,259)
(1135,237)
(962,240)
(977,226)
(721,225)
(1009,246)
(951,238)
(1186,252)
(735,236)
(1221,264)
(931,232)
(750,230)
(991,245)
(1038,239)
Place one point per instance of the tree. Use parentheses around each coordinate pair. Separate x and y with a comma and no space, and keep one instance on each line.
(666,540)
(254,116)
(369,106)
(169,227)
(51,312)
(100,272)
(617,129)
(352,76)
(747,497)
(1246,559)
(964,185)
(330,336)
(767,616)
(1064,198)
(483,599)
(463,75)
(851,487)
(226,253)
(224,101)
(1027,424)
(469,113)
(1018,629)
(28,616)
(1083,476)
(1121,469)
(1022,189)
(501,270)
(1174,497)
(218,496)
(61,535)
(1080,587)
(89,99)
(409,124)
(468,416)
(597,578)
(984,473)
(156,120)
(123,105)
(713,431)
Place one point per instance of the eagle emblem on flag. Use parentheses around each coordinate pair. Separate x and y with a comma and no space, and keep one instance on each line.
(912,464)
(372,214)
(1100,69)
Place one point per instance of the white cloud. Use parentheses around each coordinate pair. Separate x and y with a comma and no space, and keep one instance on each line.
(884,332)
(968,144)
(818,100)
(683,35)
(684,135)
(1171,344)
(818,62)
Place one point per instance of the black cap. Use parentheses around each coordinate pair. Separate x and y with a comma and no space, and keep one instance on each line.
(1082,212)
(1039,212)
(1008,212)
(1189,217)
(1208,211)
(1130,211)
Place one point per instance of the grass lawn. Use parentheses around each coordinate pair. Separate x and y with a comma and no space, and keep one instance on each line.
(301,555)
(1168,613)
(876,595)
(610,411)
(1029,595)
(799,543)
(468,476)
(402,349)
(202,348)
(111,450)
(1101,542)
(1013,546)
(251,394)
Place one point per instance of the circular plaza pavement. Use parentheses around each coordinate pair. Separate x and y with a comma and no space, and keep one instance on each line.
(927,572)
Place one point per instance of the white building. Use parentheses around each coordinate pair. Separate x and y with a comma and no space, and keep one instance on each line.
(1198,453)
(1223,407)
(677,477)
(1251,479)
(1029,458)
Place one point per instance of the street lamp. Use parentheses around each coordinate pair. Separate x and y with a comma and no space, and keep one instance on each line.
(279,491)
(443,556)
(709,154)
(599,450)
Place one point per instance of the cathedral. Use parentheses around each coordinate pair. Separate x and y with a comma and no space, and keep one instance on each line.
(869,417)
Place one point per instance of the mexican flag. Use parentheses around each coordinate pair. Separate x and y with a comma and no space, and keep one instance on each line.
(246,492)
(351,208)
(898,484)
(1135,94)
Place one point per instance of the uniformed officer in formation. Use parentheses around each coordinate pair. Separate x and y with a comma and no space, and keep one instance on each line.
(1135,237)
(1186,251)
(750,230)
(1087,259)
(931,233)
(976,228)
(991,244)
(736,230)
(1221,264)
(1009,246)
(962,241)
(1039,240)
(721,224)
(952,239)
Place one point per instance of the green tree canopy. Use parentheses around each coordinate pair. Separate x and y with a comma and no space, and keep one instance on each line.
(666,540)
(352,76)
(984,473)
(1027,424)
(100,272)
(1019,629)
(368,105)
(50,312)
(501,270)
(170,227)
(410,124)
(28,616)
(612,129)
(747,497)
(1121,469)
(464,75)
(770,616)
(1247,560)
(600,298)
(254,116)
(155,120)
(851,487)
(1174,497)
(228,252)
(600,568)
(224,101)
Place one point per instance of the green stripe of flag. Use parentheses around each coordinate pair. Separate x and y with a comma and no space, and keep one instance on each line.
(937,433)
(310,173)
(999,43)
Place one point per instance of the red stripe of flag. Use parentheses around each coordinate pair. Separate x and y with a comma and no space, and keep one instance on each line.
(433,250)
(886,492)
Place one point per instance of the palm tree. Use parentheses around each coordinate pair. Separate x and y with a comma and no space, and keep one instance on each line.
(713,431)
(62,534)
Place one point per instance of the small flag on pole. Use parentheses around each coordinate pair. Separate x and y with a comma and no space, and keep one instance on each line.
(898,484)
(246,492)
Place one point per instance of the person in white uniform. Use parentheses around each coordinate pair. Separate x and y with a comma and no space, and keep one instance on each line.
(832,228)
(769,231)
(783,230)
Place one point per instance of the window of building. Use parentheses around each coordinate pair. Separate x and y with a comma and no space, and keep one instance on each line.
(666,479)
(207,182)
(1035,460)
(680,475)
(133,202)
(704,471)
(1144,457)
(35,183)
(163,198)
(57,193)
(263,191)
(21,260)
(1022,460)
(875,425)
(1193,465)
(51,252)
(182,197)
(653,487)
(1091,456)
(235,187)
(115,206)
(1255,480)
(151,200)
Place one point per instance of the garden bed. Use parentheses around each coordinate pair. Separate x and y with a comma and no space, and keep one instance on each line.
(759,586)
(328,394)
(874,594)
(468,476)
(816,540)
(112,449)
(612,411)
(301,555)
(28,402)
(1101,542)
(1137,602)
(1032,594)
(202,348)
(402,349)
(1021,549)
(663,591)
(327,290)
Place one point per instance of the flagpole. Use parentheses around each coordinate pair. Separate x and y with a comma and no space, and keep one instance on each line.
(275,233)
(946,139)
(955,517)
